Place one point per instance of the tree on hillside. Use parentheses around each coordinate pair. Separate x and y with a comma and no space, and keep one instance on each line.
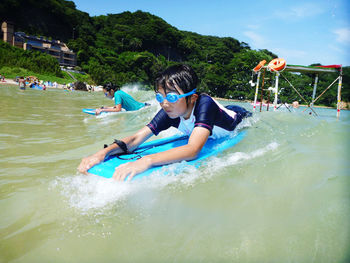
(129,47)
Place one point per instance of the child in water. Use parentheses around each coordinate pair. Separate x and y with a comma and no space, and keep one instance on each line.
(121,100)
(22,83)
(195,114)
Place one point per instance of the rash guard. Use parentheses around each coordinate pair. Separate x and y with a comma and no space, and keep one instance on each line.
(128,103)
(207,113)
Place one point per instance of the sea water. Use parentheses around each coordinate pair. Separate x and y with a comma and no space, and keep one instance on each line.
(280,195)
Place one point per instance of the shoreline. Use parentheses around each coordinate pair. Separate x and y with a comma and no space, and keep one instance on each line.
(9,81)
(271,104)
(14,83)
(60,86)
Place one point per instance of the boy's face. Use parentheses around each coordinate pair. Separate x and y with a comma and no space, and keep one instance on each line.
(108,94)
(178,108)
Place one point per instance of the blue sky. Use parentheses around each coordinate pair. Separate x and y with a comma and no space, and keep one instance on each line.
(302,32)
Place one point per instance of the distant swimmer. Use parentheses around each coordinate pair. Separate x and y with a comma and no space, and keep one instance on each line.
(295,104)
(122,100)
(22,83)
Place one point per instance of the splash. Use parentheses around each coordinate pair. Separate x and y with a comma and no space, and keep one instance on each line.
(86,193)
(132,87)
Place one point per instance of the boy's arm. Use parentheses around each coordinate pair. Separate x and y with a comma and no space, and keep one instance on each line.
(116,108)
(189,151)
(132,142)
(186,152)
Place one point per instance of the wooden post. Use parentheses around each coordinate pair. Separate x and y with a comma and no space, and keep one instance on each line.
(276,91)
(262,89)
(314,91)
(256,91)
(339,93)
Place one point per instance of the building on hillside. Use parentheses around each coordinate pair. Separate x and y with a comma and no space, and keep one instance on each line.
(54,48)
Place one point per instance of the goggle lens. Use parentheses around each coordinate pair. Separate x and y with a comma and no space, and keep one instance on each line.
(159,97)
(172,97)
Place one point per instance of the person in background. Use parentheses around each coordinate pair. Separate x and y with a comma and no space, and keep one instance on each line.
(22,83)
(122,100)
(295,104)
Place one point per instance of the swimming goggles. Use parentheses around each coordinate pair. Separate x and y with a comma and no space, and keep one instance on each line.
(172,97)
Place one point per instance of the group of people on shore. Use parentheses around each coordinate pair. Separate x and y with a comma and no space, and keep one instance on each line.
(32,82)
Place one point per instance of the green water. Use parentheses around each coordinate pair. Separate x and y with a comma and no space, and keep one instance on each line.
(280,195)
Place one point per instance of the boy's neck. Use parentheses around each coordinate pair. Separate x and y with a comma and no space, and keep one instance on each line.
(190,107)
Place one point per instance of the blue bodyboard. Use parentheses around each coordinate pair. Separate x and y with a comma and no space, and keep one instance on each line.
(212,147)
(93,112)
(90,111)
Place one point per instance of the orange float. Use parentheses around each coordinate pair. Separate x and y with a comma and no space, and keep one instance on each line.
(277,64)
(259,66)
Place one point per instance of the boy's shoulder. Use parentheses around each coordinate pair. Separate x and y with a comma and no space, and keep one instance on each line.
(205,103)
(204,98)
(121,93)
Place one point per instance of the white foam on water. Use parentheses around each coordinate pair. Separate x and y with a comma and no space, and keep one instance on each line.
(214,164)
(131,87)
(86,193)
(90,192)
(239,156)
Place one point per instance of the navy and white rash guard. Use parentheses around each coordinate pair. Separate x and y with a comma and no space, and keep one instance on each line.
(207,113)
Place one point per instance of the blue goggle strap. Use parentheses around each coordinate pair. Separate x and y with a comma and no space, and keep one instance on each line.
(160,98)
(187,94)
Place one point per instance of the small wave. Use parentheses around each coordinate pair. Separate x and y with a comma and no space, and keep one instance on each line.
(239,157)
(86,193)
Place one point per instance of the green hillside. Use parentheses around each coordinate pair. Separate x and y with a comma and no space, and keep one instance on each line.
(133,47)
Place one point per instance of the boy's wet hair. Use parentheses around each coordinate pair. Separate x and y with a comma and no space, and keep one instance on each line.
(182,76)
(111,86)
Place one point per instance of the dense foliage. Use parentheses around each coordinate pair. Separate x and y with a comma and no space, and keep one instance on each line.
(34,60)
(50,18)
(133,47)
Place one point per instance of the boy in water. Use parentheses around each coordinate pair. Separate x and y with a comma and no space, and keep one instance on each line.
(195,114)
(121,100)
(22,83)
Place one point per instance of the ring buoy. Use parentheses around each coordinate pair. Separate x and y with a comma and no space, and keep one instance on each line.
(259,66)
(277,64)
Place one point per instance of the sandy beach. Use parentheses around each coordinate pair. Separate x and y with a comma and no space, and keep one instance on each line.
(8,82)
(14,83)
